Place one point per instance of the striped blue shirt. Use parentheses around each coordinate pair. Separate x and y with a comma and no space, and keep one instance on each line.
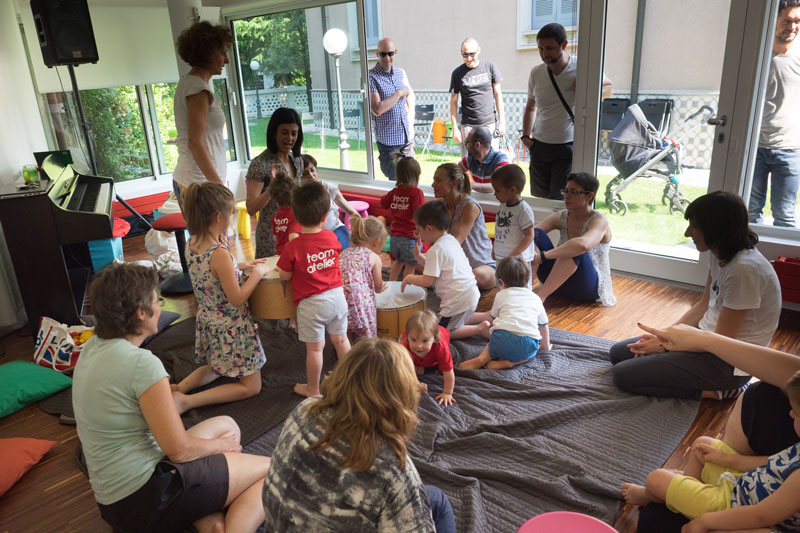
(392,127)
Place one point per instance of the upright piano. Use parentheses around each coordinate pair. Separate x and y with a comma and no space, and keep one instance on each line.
(47,230)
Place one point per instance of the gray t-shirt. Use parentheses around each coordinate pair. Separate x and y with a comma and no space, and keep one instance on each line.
(780,120)
(309,491)
(120,449)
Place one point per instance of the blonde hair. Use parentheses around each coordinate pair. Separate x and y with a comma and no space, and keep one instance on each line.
(201,204)
(424,322)
(366,230)
(792,390)
(407,169)
(369,400)
(455,172)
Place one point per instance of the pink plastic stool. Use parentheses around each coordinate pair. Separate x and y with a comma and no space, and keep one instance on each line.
(565,522)
(362,208)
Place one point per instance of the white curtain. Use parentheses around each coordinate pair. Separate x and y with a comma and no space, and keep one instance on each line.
(21,135)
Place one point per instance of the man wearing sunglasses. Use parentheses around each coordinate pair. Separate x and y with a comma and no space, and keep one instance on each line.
(391,100)
(478,83)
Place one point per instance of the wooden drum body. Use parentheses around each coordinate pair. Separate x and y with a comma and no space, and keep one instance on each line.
(273,298)
(394,308)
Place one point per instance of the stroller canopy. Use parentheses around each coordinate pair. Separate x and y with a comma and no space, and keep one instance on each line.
(634,142)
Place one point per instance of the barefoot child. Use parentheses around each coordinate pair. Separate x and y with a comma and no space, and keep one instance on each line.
(722,490)
(514,227)
(225,338)
(403,201)
(428,343)
(311,261)
(445,264)
(284,226)
(519,322)
(362,276)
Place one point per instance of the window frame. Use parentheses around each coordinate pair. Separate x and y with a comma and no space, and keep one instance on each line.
(526,35)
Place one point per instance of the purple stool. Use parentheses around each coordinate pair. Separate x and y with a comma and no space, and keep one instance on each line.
(565,522)
(362,208)
(179,283)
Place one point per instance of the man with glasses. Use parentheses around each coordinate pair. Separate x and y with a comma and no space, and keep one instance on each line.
(779,139)
(481,159)
(547,124)
(391,100)
(478,83)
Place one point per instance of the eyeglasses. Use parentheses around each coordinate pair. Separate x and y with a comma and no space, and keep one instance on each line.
(469,54)
(573,192)
(384,54)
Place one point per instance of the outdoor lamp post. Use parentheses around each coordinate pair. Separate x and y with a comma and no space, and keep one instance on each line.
(334,42)
(254,66)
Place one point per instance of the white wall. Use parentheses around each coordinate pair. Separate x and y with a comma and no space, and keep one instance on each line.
(21,135)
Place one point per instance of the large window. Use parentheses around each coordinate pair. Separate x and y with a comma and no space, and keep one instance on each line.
(123,122)
(282,63)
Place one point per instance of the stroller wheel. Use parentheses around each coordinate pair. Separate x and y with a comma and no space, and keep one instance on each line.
(618,207)
(678,204)
(664,199)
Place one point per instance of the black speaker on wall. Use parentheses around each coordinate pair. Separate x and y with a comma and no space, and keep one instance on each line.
(65,33)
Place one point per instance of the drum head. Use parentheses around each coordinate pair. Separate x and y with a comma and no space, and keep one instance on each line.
(272,261)
(392,298)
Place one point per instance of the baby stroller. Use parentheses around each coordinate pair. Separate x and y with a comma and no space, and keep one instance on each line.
(637,150)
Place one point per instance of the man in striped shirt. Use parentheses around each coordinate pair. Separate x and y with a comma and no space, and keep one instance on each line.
(481,159)
(391,100)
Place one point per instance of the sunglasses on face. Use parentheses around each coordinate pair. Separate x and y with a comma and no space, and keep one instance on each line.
(384,54)
(573,192)
(469,54)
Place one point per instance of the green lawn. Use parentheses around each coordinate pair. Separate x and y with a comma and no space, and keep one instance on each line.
(647,219)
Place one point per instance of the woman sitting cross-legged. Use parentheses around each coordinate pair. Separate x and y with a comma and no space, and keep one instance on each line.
(341,463)
(147,472)
(578,267)
(742,300)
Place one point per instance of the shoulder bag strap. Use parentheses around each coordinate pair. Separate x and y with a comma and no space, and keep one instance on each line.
(561,96)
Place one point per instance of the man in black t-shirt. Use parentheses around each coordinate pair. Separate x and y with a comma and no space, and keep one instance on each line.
(478,83)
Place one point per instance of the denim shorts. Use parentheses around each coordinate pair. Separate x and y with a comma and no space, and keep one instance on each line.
(507,346)
(402,249)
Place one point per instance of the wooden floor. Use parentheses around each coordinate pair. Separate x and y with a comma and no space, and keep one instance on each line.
(55,496)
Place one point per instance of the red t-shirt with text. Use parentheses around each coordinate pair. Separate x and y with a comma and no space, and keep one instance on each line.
(284,223)
(313,260)
(403,201)
(439,354)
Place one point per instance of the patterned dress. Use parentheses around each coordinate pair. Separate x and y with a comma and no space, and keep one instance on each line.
(359,291)
(259,171)
(225,337)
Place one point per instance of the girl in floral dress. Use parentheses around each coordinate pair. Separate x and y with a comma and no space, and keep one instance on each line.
(225,337)
(361,275)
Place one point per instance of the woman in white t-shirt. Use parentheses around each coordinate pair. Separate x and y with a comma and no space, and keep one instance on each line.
(742,300)
(199,119)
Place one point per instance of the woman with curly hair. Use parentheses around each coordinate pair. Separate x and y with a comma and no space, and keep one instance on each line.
(341,462)
(199,119)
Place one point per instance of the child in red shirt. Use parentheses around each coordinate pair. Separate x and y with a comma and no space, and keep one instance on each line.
(403,200)
(284,226)
(428,344)
(311,262)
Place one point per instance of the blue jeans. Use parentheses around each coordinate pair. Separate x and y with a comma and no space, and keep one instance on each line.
(442,511)
(784,166)
(581,285)
(385,151)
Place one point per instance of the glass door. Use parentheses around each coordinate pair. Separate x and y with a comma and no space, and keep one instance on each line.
(679,64)
(283,62)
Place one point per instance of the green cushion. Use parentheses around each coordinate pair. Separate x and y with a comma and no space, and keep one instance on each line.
(23,382)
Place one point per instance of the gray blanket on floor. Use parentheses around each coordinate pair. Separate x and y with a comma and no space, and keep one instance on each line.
(552,434)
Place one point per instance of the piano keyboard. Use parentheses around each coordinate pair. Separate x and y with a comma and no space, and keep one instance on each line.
(90,198)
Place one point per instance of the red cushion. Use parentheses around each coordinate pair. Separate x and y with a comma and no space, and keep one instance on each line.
(171,222)
(17,456)
(121,227)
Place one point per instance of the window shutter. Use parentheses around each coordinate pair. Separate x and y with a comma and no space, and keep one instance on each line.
(568,13)
(371,22)
(542,12)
